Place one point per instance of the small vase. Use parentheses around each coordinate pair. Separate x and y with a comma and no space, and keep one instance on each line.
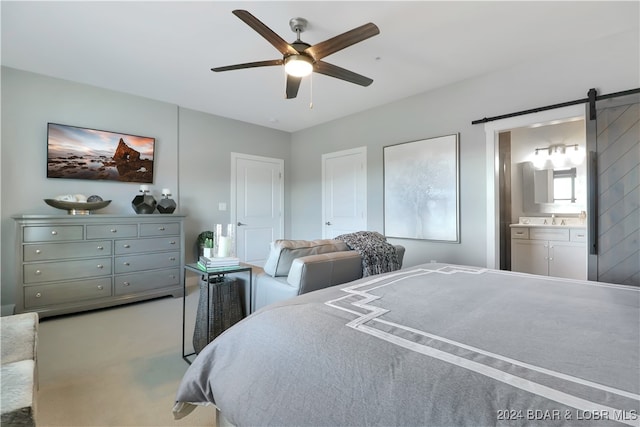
(144,203)
(166,205)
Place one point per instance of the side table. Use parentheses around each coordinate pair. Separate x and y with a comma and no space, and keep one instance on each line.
(212,277)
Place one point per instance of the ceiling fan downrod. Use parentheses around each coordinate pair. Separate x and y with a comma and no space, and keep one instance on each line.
(298,25)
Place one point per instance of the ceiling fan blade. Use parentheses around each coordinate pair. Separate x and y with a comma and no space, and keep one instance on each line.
(341,73)
(266,32)
(334,44)
(249,65)
(293,84)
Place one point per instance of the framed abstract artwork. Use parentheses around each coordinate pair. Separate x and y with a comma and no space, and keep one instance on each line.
(421,199)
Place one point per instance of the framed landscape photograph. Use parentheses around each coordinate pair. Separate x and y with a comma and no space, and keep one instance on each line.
(421,189)
(82,153)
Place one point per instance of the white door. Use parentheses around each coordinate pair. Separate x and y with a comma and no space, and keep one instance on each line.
(257,199)
(344,192)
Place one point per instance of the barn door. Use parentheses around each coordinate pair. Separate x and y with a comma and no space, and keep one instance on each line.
(613,142)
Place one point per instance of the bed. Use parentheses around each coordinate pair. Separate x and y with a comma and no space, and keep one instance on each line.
(435,344)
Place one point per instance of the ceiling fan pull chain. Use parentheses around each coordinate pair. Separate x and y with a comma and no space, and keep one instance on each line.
(311,91)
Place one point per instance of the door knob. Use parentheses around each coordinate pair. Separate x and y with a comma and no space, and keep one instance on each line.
(328,223)
(240,224)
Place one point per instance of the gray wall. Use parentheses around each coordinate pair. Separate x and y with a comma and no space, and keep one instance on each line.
(193,153)
(194,148)
(206,144)
(610,65)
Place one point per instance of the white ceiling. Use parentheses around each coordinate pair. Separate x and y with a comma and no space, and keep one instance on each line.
(165,50)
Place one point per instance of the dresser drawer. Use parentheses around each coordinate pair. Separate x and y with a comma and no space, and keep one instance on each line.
(125,264)
(138,282)
(39,272)
(159,229)
(52,233)
(51,251)
(519,232)
(106,231)
(147,245)
(559,234)
(43,295)
(578,235)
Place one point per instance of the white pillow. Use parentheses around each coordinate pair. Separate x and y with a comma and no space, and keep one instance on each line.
(283,252)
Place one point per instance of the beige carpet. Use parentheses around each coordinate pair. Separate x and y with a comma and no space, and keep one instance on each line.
(116,367)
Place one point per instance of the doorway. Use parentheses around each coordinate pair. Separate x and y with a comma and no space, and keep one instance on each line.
(344,192)
(493,130)
(257,205)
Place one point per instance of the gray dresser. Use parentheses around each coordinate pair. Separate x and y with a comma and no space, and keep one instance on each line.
(67,264)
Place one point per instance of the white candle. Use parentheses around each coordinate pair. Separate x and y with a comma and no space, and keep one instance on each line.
(166,191)
(144,188)
(224,245)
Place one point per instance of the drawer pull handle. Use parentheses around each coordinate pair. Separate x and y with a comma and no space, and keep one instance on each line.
(113,230)
(100,266)
(126,246)
(38,251)
(100,287)
(38,295)
(100,248)
(125,283)
(161,228)
(173,276)
(126,263)
(550,258)
(38,272)
(54,232)
(173,242)
(172,258)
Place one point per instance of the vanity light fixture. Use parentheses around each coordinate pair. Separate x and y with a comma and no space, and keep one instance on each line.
(556,149)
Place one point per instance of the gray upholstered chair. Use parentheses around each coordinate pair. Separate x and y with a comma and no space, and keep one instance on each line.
(295,267)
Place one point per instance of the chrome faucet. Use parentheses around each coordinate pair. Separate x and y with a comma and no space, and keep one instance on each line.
(553,219)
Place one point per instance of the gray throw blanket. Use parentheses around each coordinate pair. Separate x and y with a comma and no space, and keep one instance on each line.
(378,255)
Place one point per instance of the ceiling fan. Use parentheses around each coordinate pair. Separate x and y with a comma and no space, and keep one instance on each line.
(300,58)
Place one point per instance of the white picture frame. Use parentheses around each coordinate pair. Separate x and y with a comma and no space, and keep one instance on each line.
(421,189)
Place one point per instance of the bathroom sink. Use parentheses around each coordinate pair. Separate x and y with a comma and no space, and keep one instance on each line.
(560,222)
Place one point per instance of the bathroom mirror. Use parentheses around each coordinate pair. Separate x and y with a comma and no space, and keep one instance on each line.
(550,190)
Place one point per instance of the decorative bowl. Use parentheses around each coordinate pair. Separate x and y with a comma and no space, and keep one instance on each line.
(77,208)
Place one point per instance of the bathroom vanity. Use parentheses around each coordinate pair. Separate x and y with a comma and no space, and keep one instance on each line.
(553,246)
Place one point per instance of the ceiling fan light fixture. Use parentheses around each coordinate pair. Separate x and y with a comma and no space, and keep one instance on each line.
(300,59)
(298,65)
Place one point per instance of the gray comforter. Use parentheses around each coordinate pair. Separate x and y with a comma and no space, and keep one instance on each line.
(430,345)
